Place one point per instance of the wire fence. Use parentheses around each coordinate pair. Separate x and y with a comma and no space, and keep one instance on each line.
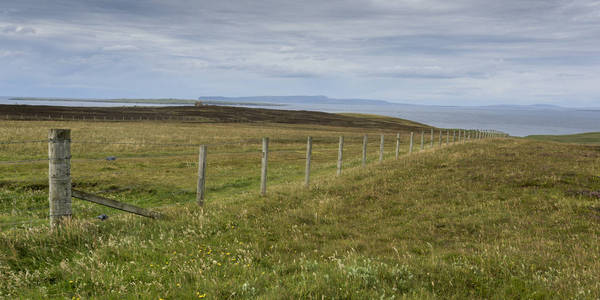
(233,166)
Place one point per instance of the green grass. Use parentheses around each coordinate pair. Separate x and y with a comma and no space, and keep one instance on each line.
(592,138)
(488,219)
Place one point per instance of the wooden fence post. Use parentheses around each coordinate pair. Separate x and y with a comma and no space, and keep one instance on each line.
(440,138)
(59,175)
(200,190)
(422,140)
(364,153)
(263,170)
(308,156)
(447,137)
(431,137)
(381,145)
(410,148)
(340,155)
(397,145)
(453,136)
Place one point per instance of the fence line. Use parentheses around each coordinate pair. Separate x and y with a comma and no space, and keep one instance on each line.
(59,157)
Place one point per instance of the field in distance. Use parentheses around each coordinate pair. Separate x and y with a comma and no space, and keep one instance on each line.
(580,138)
(501,218)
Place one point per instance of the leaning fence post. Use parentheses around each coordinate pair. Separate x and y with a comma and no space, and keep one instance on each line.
(200,190)
(381,145)
(263,170)
(397,145)
(59,175)
(422,139)
(410,148)
(340,154)
(440,138)
(364,153)
(308,156)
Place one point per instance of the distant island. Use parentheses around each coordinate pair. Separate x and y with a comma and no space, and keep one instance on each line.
(296,100)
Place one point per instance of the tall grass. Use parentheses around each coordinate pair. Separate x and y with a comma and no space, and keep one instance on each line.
(492,219)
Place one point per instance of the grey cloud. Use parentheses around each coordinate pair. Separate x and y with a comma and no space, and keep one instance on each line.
(424,50)
(14,29)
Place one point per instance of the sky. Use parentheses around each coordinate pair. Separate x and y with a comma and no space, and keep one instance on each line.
(460,52)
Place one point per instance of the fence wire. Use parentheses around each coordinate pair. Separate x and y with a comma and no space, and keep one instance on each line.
(23,142)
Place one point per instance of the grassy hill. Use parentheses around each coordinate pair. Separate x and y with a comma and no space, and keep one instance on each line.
(510,218)
(581,138)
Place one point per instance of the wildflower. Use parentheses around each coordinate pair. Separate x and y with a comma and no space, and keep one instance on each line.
(70,281)
(178,285)
(202,296)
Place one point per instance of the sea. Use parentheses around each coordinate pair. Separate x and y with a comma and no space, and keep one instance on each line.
(511,119)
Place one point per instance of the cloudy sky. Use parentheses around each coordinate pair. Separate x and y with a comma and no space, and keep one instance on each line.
(413,51)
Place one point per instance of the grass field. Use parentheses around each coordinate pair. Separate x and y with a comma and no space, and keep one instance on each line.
(505,218)
(166,153)
(590,138)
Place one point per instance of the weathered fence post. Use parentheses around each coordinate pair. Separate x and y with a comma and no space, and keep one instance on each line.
(364,153)
(397,145)
(308,156)
(410,148)
(431,137)
(422,140)
(440,138)
(447,137)
(340,155)
(381,145)
(59,175)
(201,175)
(263,170)
(453,136)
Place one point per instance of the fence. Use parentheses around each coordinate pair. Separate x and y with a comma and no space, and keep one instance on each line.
(60,191)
